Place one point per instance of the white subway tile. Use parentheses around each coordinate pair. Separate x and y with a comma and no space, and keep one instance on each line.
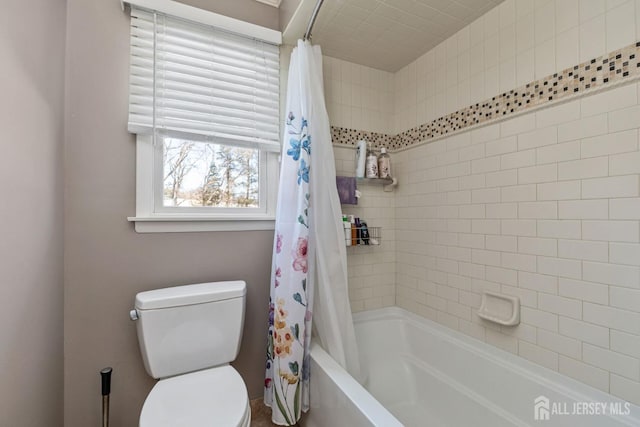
(518,193)
(502,210)
(485,133)
(538,138)
(624,208)
(625,253)
(582,249)
(609,100)
(612,274)
(518,227)
(627,118)
(614,231)
(557,114)
(584,331)
(613,143)
(625,343)
(527,297)
(485,195)
(502,341)
(502,244)
(540,319)
(560,344)
(545,58)
(471,211)
(501,275)
(485,226)
(620,23)
(537,246)
(475,271)
(583,128)
(625,389)
(564,306)
(471,182)
(566,15)
(535,174)
(592,41)
(586,291)
(471,153)
(539,355)
(564,229)
(487,164)
(582,372)
(558,152)
(580,169)
(628,299)
(583,209)
(611,361)
(538,282)
(617,186)
(519,261)
(564,190)
(501,178)
(485,257)
(501,146)
(560,267)
(538,210)
(625,163)
(518,159)
(614,318)
(516,125)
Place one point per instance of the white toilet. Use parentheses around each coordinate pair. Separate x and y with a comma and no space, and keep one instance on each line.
(188,335)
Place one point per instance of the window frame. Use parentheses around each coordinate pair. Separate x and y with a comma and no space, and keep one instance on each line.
(149,186)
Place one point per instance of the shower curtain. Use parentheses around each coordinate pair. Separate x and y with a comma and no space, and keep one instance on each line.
(309,267)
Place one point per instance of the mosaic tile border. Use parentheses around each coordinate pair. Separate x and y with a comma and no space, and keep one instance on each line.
(605,71)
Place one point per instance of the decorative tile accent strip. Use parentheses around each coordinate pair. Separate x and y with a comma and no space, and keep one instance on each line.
(346,136)
(606,70)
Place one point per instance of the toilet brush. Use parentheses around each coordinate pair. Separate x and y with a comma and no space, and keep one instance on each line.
(106,391)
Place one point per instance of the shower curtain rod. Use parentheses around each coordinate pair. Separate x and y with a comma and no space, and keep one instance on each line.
(314,15)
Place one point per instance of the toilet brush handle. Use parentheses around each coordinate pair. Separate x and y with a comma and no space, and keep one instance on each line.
(106,391)
(106,381)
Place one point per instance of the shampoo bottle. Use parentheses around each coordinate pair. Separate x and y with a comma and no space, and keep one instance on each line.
(372,164)
(347,229)
(384,164)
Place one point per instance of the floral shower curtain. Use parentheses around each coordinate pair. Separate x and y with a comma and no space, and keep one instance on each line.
(309,254)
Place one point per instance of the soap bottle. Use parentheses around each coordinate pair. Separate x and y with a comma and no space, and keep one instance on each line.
(347,229)
(372,164)
(384,164)
(354,230)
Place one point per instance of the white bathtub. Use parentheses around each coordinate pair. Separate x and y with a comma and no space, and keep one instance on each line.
(423,374)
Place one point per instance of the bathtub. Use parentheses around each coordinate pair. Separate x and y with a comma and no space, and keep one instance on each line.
(420,373)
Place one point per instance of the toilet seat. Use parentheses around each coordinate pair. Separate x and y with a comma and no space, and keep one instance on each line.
(212,397)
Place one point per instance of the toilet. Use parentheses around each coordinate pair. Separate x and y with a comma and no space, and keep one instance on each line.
(188,335)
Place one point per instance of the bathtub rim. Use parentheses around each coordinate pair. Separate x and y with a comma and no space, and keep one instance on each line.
(364,401)
(558,382)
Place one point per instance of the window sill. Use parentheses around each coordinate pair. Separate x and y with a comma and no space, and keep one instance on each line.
(190,224)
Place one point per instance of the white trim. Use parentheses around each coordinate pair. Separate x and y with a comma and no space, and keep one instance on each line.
(201,16)
(149,220)
(274,3)
(185,224)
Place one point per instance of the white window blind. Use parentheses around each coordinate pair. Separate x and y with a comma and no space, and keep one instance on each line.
(195,81)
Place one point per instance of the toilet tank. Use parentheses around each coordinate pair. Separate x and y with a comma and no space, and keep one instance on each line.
(188,328)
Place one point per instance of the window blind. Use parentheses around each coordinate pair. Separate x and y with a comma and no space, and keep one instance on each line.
(196,81)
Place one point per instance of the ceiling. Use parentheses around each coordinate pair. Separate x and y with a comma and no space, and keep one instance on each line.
(389,34)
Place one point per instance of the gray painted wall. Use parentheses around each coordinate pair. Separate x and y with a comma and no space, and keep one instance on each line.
(31,121)
(106,261)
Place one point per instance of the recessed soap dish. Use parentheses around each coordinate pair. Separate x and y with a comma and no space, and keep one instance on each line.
(500,309)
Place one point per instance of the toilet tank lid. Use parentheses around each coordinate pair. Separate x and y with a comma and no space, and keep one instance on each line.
(190,294)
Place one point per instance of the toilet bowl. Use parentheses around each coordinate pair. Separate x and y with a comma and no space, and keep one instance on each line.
(188,335)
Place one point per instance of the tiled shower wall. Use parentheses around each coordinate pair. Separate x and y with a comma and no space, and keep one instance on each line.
(545,205)
(361,98)
(511,45)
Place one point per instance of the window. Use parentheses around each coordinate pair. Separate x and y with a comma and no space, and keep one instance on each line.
(204,104)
